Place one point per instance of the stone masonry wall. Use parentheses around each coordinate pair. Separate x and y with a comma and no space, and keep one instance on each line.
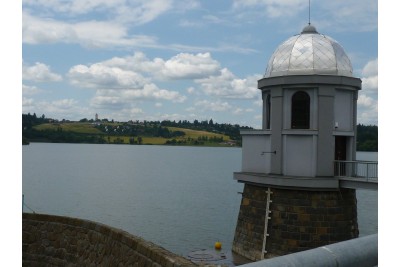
(62,241)
(300,220)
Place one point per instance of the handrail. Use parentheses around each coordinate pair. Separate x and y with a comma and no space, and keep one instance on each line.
(360,252)
(356,169)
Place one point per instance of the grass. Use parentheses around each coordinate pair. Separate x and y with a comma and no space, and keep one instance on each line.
(88,128)
(76,127)
(194,134)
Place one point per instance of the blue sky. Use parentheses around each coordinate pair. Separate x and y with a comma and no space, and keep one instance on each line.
(177,60)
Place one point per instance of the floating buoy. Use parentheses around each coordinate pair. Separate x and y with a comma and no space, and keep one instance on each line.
(218,245)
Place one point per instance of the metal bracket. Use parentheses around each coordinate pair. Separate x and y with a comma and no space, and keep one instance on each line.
(266,152)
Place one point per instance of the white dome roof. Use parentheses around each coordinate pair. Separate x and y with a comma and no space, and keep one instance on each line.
(309,53)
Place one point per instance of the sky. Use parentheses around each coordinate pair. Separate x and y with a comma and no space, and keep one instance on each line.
(177,60)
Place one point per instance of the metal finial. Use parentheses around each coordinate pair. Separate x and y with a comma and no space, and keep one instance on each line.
(309,12)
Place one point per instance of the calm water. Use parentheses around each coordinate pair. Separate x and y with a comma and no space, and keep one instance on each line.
(182,198)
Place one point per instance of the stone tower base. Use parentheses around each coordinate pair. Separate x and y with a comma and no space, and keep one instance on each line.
(300,220)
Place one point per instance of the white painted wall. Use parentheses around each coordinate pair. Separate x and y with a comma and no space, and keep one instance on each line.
(252,148)
(300,155)
(343,110)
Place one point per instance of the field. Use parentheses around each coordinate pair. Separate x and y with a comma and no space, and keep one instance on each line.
(76,127)
(191,137)
(196,134)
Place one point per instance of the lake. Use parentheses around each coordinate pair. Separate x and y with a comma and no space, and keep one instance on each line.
(181,198)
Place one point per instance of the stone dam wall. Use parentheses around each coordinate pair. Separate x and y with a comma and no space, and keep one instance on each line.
(49,240)
(300,220)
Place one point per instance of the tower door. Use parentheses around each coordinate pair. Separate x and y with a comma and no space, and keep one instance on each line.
(340,154)
(340,147)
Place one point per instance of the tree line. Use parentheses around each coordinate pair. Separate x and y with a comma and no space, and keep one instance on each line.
(367,135)
(134,129)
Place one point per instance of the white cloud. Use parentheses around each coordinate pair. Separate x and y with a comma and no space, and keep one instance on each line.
(63,108)
(191,90)
(348,14)
(105,77)
(368,97)
(227,85)
(189,66)
(341,15)
(273,8)
(180,66)
(258,102)
(217,106)
(370,76)
(366,101)
(27,104)
(371,68)
(131,113)
(37,30)
(30,90)
(125,11)
(122,98)
(39,73)
(107,33)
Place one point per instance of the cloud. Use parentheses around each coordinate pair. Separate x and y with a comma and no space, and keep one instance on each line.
(348,15)
(341,15)
(111,32)
(272,8)
(102,76)
(62,108)
(368,97)
(39,73)
(227,85)
(122,98)
(370,76)
(217,106)
(37,30)
(30,90)
(27,104)
(131,113)
(180,66)
(191,90)
(190,66)
(124,11)
(371,68)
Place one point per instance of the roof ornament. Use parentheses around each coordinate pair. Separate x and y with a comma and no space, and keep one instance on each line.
(309,28)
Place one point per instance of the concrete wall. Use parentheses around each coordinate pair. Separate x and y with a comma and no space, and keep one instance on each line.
(343,107)
(62,241)
(253,158)
(300,155)
(300,220)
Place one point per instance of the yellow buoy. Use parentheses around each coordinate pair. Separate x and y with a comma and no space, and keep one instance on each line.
(218,245)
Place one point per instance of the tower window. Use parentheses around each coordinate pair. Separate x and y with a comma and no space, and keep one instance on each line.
(300,110)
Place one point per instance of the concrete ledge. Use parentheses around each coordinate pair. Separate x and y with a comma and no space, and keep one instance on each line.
(358,183)
(255,132)
(295,80)
(306,183)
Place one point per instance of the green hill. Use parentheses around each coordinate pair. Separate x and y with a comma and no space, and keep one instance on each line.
(123,133)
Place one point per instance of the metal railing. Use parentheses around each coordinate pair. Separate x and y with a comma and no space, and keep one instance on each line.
(360,252)
(356,169)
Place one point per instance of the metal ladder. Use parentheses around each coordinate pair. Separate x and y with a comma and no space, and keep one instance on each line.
(267,218)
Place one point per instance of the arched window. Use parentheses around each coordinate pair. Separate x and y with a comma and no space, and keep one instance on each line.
(300,110)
